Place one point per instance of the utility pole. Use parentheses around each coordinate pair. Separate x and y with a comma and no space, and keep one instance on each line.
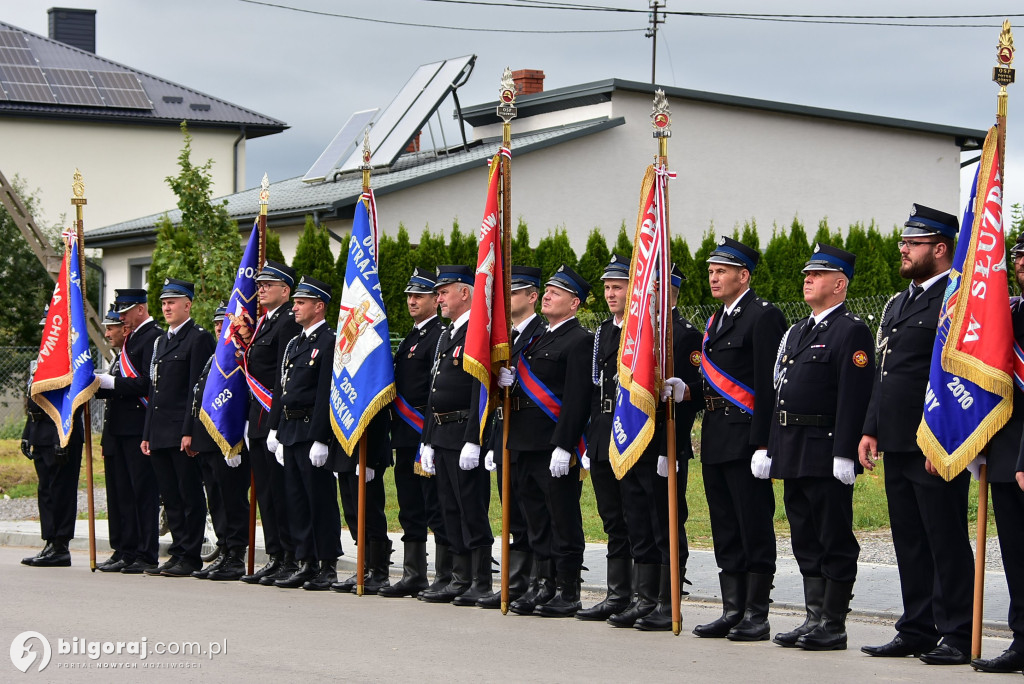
(652,32)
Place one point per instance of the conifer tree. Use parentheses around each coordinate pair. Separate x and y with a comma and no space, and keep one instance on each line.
(522,253)
(591,267)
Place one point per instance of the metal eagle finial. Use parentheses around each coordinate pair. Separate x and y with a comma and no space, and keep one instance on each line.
(661,118)
(265,190)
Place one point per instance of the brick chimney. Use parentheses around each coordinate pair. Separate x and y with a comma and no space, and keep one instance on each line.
(414,144)
(74,27)
(528,81)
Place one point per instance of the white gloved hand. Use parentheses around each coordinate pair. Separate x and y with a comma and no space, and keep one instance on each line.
(663,466)
(489,461)
(469,458)
(272,441)
(843,470)
(370,472)
(245,434)
(760,464)
(106,381)
(585,461)
(279,454)
(427,459)
(559,465)
(234,461)
(678,389)
(318,454)
(506,376)
(974,466)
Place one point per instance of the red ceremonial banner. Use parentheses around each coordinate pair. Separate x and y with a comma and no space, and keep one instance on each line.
(53,367)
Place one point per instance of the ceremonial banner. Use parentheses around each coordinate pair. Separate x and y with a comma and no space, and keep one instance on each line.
(363,377)
(487,330)
(970,388)
(225,401)
(64,376)
(636,398)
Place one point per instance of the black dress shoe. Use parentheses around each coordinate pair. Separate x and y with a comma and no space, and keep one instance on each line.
(944,654)
(115,557)
(59,557)
(138,567)
(898,648)
(1008,661)
(45,551)
(307,571)
(116,566)
(183,568)
(166,565)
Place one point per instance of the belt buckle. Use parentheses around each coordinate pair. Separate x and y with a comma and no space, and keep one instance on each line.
(499,413)
(607,405)
(782,418)
(709,403)
(437,418)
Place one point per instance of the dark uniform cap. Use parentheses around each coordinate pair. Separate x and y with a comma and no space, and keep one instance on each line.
(221,312)
(677,276)
(125,299)
(311,288)
(273,270)
(1018,247)
(524,277)
(827,258)
(112,317)
(734,253)
(420,282)
(617,268)
(46,311)
(450,273)
(569,280)
(177,288)
(927,221)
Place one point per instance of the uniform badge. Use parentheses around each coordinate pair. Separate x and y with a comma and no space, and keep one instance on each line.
(860,359)
(312,357)
(695,358)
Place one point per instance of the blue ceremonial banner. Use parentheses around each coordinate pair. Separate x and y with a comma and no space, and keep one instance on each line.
(970,387)
(65,342)
(363,377)
(226,397)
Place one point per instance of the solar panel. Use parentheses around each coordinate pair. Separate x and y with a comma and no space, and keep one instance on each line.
(11,39)
(349,137)
(9,55)
(121,89)
(74,87)
(25,84)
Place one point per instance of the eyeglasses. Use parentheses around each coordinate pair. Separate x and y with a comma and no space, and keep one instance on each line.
(266,285)
(910,244)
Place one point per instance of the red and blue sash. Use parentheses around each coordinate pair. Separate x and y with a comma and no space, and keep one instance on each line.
(1018,366)
(127,369)
(264,396)
(544,398)
(409,414)
(735,391)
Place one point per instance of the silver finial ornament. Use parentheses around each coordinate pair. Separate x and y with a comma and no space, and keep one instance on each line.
(265,190)
(366,147)
(661,118)
(507,97)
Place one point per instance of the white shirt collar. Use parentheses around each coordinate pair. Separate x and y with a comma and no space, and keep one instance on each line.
(310,329)
(934,279)
(729,309)
(522,326)
(815,320)
(174,331)
(270,312)
(558,325)
(459,322)
(419,326)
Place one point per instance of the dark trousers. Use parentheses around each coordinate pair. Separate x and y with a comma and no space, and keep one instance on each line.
(519,537)
(464,497)
(313,506)
(552,508)
(227,493)
(134,500)
(610,506)
(820,513)
(417,500)
(181,487)
(376,521)
(58,493)
(928,517)
(268,475)
(1008,505)
(119,525)
(645,498)
(741,508)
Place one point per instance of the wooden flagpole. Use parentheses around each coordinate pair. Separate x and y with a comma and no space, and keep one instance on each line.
(262,232)
(361,505)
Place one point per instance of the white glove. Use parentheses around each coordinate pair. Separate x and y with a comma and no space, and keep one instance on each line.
(585,461)
(559,466)
(974,466)
(760,464)
(106,381)
(272,441)
(842,470)
(489,461)
(506,376)
(279,454)
(245,435)
(318,454)
(234,461)
(469,458)
(427,459)
(663,466)
(674,386)
(369,473)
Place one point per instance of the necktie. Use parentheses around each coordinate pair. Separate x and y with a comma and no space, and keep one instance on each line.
(915,292)
(805,333)
(170,335)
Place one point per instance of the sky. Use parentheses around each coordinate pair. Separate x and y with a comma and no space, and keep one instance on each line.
(312,70)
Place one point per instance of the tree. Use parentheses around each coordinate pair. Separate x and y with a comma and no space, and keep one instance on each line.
(826,236)
(395,267)
(700,259)
(522,253)
(462,248)
(591,267)
(313,258)
(431,252)
(690,289)
(552,252)
(203,248)
(274,252)
(623,242)
(29,287)
(781,265)
(871,270)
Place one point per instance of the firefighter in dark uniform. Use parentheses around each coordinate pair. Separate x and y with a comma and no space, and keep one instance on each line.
(114,468)
(226,481)
(823,375)
(524,287)
(451,448)
(263,367)
(556,367)
(134,499)
(417,496)
(1006,476)
(738,357)
(302,399)
(178,360)
(928,515)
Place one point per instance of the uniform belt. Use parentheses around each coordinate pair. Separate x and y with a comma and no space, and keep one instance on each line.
(712,403)
(295,414)
(451,417)
(786,418)
(607,406)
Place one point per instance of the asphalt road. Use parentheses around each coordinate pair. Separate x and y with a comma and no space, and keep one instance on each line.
(270,634)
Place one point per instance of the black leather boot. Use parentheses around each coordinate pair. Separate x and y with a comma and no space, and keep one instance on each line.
(45,551)
(814,598)
(519,566)
(566,601)
(830,634)
(204,573)
(734,599)
(647,577)
(272,565)
(414,572)
(378,564)
(59,556)
(325,577)
(307,571)
(462,574)
(754,625)
(541,588)
(660,619)
(480,563)
(620,591)
(442,569)
(231,568)
(287,568)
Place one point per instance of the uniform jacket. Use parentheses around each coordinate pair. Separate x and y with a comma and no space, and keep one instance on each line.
(175,369)
(744,348)
(686,341)
(495,430)
(305,385)
(452,389)
(41,433)
(125,415)
(826,372)
(264,362)
(1005,456)
(201,439)
(413,361)
(605,364)
(378,448)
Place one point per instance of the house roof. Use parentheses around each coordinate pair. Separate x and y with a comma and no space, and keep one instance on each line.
(336,198)
(44,78)
(597,92)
